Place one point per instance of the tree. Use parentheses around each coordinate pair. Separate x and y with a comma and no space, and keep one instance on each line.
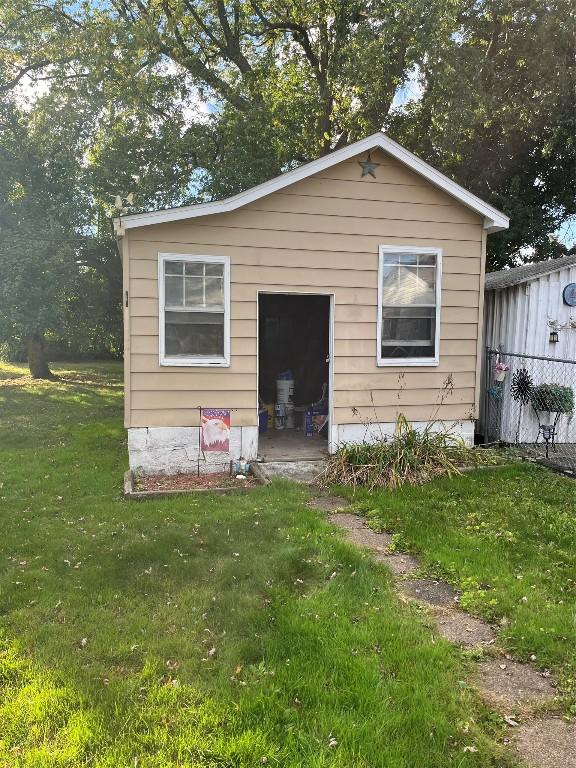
(44,257)
(498,113)
(292,79)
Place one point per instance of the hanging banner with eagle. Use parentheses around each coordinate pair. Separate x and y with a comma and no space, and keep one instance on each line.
(215,430)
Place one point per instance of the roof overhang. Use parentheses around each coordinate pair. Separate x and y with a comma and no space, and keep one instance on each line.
(494,220)
(527,273)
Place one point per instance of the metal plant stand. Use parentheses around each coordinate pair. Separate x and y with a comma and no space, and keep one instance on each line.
(547,431)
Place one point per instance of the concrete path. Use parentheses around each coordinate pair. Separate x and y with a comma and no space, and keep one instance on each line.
(515,690)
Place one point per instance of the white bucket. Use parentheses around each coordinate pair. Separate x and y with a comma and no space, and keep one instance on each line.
(284,390)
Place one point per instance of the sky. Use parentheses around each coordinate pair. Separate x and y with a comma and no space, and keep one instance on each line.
(567,232)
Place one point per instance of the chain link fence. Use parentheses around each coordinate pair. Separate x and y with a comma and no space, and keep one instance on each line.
(529,403)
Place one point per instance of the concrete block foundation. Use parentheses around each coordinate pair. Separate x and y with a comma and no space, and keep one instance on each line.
(174,450)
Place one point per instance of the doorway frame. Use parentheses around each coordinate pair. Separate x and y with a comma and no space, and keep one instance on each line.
(331,306)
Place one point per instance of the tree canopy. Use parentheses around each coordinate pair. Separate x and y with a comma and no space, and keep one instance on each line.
(183,100)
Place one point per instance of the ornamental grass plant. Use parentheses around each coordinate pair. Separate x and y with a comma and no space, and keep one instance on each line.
(409,457)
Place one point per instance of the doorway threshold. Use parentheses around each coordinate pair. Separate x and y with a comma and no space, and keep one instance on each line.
(285,445)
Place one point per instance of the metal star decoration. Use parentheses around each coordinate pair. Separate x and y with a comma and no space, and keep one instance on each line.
(368,167)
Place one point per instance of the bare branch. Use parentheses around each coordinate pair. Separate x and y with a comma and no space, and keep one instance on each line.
(5,87)
(59,12)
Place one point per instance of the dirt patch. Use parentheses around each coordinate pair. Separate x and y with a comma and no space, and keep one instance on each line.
(547,743)
(511,684)
(333,504)
(430,591)
(190,482)
(464,630)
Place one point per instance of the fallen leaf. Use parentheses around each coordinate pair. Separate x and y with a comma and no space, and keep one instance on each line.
(511,721)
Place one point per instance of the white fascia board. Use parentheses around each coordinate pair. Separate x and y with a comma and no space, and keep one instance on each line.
(494,220)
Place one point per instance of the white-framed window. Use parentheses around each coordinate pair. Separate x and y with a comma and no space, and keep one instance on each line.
(409,282)
(194,309)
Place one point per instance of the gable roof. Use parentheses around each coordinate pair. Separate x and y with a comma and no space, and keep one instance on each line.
(494,220)
(505,278)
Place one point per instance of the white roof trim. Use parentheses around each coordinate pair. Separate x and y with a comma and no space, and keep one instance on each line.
(494,220)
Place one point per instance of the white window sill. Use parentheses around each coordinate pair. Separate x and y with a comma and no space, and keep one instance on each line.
(399,362)
(191,362)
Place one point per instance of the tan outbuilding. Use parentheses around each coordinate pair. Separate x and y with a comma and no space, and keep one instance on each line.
(356,279)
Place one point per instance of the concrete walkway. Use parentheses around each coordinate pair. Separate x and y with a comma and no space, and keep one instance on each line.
(517,691)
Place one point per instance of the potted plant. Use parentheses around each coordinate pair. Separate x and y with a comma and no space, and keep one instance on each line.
(553,398)
(500,371)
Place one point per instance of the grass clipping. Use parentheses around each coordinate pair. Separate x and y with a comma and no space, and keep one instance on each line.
(409,457)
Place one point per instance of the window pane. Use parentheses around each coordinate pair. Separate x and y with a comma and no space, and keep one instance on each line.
(194,291)
(408,258)
(195,268)
(427,277)
(173,267)
(214,287)
(214,270)
(174,291)
(427,259)
(405,285)
(389,258)
(194,334)
(408,312)
(408,332)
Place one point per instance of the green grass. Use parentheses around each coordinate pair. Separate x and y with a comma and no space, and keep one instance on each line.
(212,631)
(506,536)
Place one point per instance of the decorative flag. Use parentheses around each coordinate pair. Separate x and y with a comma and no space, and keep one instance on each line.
(215,430)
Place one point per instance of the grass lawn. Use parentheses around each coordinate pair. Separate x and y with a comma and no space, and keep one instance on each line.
(507,537)
(212,631)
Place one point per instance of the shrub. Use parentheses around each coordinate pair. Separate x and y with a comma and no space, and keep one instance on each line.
(553,398)
(409,457)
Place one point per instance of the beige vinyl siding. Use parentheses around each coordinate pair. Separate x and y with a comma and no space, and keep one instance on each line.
(410,380)
(208,235)
(164,416)
(205,381)
(149,363)
(403,397)
(362,209)
(187,399)
(320,235)
(424,412)
(448,364)
(381,190)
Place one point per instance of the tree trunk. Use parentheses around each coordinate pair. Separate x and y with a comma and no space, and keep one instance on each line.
(37,362)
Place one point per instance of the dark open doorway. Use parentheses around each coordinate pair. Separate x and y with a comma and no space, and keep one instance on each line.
(293,375)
